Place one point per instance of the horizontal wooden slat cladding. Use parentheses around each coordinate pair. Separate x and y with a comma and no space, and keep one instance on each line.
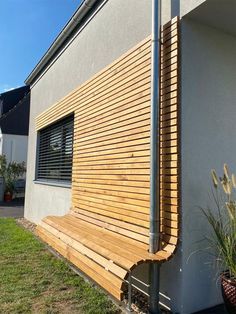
(169,135)
(104,75)
(106,233)
(77,99)
(115,213)
(111,142)
(109,201)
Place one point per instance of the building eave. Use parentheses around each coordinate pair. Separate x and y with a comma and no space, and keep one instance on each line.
(85,7)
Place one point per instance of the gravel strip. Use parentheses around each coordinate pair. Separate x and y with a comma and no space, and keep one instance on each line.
(26,224)
(140,302)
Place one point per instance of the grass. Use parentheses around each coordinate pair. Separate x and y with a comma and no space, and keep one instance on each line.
(32,280)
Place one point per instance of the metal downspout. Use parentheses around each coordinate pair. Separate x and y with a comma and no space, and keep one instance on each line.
(154,154)
(154,159)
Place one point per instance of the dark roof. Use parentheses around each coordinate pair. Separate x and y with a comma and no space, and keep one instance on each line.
(9,99)
(16,120)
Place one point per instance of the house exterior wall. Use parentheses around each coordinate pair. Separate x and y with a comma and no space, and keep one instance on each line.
(208,128)
(172,8)
(14,147)
(112,31)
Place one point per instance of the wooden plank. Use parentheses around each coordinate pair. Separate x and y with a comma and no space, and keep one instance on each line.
(115,183)
(109,201)
(132,76)
(127,155)
(169,56)
(110,192)
(169,29)
(105,73)
(116,109)
(170,239)
(84,234)
(122,144)
(165,207)
(167,50)
(93,255)
(94,272)
(168,89)
(121,242)
(109,220)
(119,125)
(91,85)
(113,214)
(169,116)
(111,162)
(113,177)
(105,186)
(134,247)
(170,223)
(169,138)
(87,133)
(137,130)
(167,104)
(95,205)
(169,82)
(116,197)
(169,215)
(113,152)
(170,71)
(170,42)
(115,229)
(115,92)
(169,231)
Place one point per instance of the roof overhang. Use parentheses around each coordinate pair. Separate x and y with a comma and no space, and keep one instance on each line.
(79,17)
(218,14)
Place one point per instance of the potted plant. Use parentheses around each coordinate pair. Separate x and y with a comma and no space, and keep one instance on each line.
(222,220)
(10,172)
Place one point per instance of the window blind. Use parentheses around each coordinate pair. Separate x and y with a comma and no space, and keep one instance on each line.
(55,151)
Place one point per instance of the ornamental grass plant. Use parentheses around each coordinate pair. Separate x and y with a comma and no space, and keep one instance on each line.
(222,220)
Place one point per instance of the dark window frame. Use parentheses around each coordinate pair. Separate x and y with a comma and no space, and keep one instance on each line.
(54,156)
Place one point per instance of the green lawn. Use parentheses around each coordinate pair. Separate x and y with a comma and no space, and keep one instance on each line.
(32,280)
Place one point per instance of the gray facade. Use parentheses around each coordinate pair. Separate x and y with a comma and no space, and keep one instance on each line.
(208,95)
(208,125)
(111,32)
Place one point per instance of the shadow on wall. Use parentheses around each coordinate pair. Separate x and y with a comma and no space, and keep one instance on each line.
(175,8)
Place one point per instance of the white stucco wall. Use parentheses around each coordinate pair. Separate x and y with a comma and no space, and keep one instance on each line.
(14,147)
(208,140)
(117,27)
(172,8)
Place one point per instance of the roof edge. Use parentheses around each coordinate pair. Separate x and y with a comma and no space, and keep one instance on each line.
(77,17)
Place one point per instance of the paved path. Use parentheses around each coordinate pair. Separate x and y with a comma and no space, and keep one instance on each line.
(14,209)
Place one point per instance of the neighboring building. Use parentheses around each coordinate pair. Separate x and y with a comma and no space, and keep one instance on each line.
(90,133)
(14,123)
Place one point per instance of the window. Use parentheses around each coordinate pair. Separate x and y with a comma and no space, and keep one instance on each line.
(55,151)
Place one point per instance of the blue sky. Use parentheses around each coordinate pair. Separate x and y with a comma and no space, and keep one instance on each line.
(27,28)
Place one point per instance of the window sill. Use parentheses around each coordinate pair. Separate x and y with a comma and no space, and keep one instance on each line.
(52,183)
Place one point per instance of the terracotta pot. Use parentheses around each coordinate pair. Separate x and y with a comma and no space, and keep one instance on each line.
(228,288)
(7,197)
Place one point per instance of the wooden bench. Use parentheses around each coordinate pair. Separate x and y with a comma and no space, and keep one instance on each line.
(101,254)
(106,234)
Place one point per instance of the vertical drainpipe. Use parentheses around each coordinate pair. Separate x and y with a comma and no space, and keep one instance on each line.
(154,159)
